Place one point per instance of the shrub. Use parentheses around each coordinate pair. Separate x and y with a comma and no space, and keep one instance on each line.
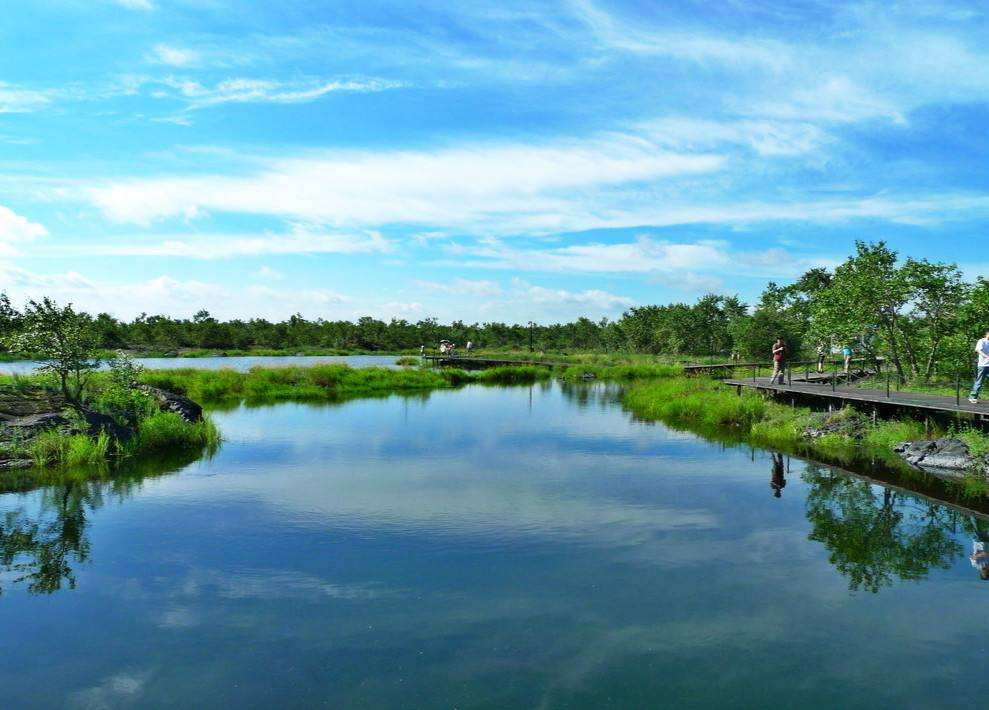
(167,430)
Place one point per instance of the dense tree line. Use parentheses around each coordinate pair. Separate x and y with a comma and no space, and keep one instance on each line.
(921,315)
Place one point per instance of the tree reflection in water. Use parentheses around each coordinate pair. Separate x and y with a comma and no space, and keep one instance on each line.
(42,546)
(876,537)
(42,549)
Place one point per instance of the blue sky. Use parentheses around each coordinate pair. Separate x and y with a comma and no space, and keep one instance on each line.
(482,161)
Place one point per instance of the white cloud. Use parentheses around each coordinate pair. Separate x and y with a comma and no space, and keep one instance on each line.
(14,99)
(302,239)
(689,263)
(251,90)
(177,297)
(146,5)
(766,138)
(15,228)
(461,287)
(835,99)
(266,272)
(613,33)
(590,299)
(533,185)
(174,56)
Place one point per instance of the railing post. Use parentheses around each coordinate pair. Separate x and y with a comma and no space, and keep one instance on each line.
(958,388)
(789,376)
(834,378)
(887,384)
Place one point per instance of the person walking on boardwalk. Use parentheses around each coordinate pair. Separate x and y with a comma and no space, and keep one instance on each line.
(779,360)
(982,369)
(821,355)
(846,352)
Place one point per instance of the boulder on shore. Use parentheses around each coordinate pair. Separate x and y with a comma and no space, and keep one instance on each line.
(171,402)
(941,455)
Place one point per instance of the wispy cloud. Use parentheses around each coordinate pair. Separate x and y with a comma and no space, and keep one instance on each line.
(173,56)
(615,33)
(146,5)
(15,228)
(16,99)
(251,90)
(532,184)
(461,287)
(180,297)
(696,261)
(586,301)
(302,239)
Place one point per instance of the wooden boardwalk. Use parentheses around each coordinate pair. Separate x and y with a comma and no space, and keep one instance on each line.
(843,394)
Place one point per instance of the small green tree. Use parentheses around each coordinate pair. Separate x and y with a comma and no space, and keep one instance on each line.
(9,317)
(866,299)
(64,340)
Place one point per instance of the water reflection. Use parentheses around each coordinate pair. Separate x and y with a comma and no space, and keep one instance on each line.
(45,538)
(777,478)
(40,549)
(875,538)
(978,529)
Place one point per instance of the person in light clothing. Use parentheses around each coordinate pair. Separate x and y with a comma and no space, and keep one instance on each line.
(982,350)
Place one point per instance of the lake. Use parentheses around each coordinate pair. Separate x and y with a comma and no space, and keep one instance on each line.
(488,547)
(241,363)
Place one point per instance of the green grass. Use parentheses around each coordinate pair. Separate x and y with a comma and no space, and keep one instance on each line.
(56,448)
(703,405)
(325,382)
(167,431)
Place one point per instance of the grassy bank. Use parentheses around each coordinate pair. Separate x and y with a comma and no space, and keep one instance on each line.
(326,382)
(155,433)
(705,406)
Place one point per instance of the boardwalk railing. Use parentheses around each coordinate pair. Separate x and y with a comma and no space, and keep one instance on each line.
(756,368)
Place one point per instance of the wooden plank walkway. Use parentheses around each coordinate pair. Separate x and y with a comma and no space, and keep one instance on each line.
(923,403)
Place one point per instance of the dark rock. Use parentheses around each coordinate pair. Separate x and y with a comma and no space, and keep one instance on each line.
(32,424)
(940,454)
(171,402)
(98,423)
(18,402)
(843,423)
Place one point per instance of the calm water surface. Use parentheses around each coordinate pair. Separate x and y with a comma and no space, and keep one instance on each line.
(241,363)
(502,548)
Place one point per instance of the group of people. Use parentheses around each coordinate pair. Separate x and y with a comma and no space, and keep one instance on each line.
(447,348)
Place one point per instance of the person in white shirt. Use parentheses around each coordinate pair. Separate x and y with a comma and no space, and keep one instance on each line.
(982,349)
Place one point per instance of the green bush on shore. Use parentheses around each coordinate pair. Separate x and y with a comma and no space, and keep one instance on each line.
(703,404)
(164,431)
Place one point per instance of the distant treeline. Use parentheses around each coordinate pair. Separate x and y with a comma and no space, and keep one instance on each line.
(921,315)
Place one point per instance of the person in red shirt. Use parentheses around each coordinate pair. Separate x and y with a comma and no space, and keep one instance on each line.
(779,360)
